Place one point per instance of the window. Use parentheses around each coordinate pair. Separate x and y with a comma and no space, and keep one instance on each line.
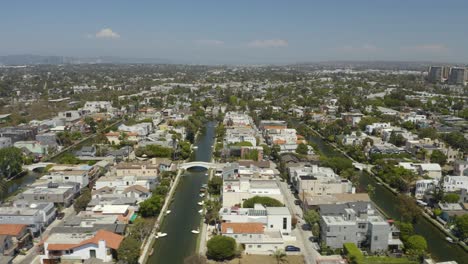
(271,226)
(376,238)
(92,253)
(66,178)
(259,246)
(250,246)
(285,223)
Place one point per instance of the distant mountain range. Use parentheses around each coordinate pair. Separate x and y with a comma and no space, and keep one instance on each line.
(28,59)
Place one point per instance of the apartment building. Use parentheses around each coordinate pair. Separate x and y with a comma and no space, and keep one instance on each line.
(236,191)
(356,223)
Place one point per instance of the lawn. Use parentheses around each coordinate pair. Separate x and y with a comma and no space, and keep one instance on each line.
(258,259)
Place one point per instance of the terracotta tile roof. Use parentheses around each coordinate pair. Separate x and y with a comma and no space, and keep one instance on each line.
(112,241)
(242,228)
(12,229)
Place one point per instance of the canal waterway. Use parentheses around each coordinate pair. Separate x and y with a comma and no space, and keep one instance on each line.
(439,248)
(184,217)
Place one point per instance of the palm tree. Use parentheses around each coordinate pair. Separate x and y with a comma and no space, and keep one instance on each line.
(280,256)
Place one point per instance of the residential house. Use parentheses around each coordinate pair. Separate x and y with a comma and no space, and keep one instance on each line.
(18,133)
(142,129)
(311,179)
(33,147)
(14,237)
(80,246)
(37,216)
(47,139)
(352,118)
(431,170)
(57,193)
(70,117)
(140,169)
(97,106)
(253,237)
(376,127)
(86,151)
(115,138)
(273,218)
(147,181)
(455,183)
(424,186)
(460,168)
(356,223)
(236,191)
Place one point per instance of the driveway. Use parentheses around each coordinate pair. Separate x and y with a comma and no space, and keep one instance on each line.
(303,236)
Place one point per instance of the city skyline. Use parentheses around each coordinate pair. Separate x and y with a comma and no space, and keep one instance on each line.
(213,32)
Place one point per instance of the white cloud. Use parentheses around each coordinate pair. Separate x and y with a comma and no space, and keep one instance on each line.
(107,33)
(429,48)
(268,43)
(362,48)
(209,42)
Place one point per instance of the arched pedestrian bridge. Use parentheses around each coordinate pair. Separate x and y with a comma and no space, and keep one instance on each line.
(36,166)
(201,164)
(361,166)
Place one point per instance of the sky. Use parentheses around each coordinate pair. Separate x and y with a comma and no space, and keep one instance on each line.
(238,31)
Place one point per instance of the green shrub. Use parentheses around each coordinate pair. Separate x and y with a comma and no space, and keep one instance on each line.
(353,253)
(265,201)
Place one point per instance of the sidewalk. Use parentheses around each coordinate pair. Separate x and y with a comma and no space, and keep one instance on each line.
(150,241)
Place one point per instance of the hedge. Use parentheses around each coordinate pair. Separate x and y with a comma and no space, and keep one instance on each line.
(353,253)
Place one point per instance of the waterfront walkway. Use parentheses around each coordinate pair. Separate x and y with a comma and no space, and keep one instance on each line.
(149,243)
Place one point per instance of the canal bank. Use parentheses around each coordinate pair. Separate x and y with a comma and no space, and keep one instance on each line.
(439,248)
(180,242)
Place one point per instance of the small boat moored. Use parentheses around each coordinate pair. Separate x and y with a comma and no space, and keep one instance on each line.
(201,203)
(196,231)
(168,212)
(200,211)
(159,234)
(449,239)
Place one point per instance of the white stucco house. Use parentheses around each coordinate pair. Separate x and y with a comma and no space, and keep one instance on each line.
(80,246)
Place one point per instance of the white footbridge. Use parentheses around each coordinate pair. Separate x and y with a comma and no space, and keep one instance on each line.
(34,166)
(200,164)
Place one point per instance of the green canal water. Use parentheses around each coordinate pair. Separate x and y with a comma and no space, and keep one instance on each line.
(439,248)
(184,217)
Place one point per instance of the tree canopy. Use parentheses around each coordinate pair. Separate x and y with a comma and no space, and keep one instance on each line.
(416,245)
(151,206)
(302,149)
(263,200)
(129,250)
(461,222)
(220,248)
(438,157)
(11,162)
(311,217)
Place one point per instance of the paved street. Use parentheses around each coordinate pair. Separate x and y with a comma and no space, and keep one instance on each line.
(303,236)
(32,256)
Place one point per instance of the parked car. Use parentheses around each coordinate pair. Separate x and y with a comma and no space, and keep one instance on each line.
(60,215)
(292,248)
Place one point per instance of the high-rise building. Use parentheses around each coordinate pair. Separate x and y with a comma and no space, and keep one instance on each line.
(458,76)
(435,74)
